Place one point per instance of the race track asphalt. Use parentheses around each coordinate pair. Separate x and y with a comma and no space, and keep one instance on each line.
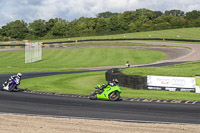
(57,106)
(64,106)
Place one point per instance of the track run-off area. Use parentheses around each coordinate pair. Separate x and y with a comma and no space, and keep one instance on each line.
(83,108)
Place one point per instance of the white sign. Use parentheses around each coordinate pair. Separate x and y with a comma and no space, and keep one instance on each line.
(197,90)
(172,82)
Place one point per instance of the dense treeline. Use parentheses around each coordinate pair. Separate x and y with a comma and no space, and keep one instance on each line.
(105,23)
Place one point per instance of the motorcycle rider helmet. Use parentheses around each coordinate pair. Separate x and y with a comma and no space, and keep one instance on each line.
(112,84)
(19,74)
(115,80)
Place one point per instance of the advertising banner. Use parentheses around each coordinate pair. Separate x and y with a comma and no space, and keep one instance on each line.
(171,83)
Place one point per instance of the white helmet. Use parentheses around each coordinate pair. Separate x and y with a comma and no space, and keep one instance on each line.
(19,74)
(115,80)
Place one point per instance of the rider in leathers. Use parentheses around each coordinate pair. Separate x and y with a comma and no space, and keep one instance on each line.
(18,76)
(114,82)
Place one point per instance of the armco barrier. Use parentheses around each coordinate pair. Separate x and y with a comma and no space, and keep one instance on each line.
(125,39)
(130,81)
(23,46)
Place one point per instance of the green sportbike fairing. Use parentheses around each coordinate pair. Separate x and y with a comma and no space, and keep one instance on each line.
(106,92)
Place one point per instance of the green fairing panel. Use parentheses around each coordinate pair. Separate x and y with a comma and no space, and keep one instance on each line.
(107,91)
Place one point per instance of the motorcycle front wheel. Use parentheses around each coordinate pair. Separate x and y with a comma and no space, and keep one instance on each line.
(114,96)
(11,88)
(93,95)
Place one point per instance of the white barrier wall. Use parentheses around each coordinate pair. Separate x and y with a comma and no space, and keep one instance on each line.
(171,83)
(33,52)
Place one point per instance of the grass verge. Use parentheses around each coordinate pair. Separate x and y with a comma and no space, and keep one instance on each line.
(189,69)
(68,59)
(84,84)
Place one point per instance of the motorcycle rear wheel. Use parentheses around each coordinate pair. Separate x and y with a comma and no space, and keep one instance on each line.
(93,95)
(114,96)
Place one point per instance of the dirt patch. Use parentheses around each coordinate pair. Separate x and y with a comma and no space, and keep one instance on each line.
(36,124)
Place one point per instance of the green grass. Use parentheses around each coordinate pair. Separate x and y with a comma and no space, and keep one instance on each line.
(84,84)
(67,59)
(198,81)
(67,83)
(117,44)
(185,70)
(183,33)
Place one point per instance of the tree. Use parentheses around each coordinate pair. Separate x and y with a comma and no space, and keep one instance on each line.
(197,22)
(193,14)
(59,29)
(157,14)
(123,23)
(106,14)
(104,23)
(147,26)
(50,24)
(175,13)
(87,26)
(162,22)
(113,24)
(144,15)
(73,29)
(129,16)
(162,26)
(132,27)
(38,28)
(177,22)
(101,27)
(17,30)
(91,26)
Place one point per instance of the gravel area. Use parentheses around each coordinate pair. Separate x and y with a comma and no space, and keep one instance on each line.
(11,123)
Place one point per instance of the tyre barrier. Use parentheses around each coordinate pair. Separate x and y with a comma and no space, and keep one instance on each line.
(22,46)
(125,39)
(11,47)
(131,81)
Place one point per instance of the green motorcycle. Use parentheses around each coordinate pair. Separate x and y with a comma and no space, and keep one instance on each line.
(106,92)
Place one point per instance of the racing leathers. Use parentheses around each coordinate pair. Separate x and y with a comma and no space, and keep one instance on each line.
(11,79)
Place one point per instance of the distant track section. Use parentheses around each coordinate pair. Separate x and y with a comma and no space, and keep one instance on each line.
(125,39)
(90,40)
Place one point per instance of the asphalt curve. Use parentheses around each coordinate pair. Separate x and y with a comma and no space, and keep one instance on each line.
(58,106)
